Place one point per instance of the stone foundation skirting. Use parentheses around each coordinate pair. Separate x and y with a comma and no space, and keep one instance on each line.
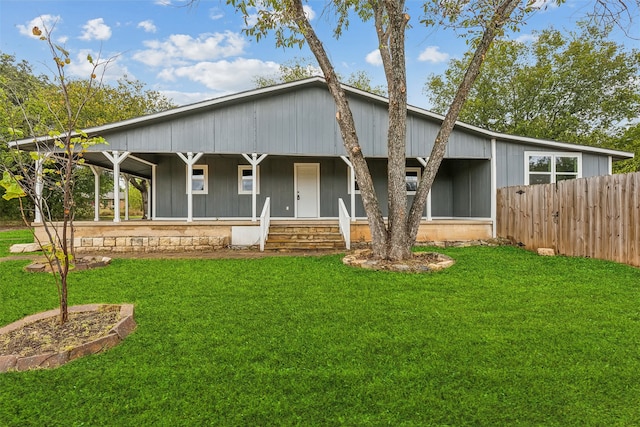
(145,236)
(150,244)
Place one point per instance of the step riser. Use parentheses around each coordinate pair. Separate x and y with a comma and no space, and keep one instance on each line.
(304,238)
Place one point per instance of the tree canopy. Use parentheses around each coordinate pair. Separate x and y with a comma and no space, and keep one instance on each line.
(302,68)
(32,105)
(579,87)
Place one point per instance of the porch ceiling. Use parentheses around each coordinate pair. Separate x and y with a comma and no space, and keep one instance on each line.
(129,165)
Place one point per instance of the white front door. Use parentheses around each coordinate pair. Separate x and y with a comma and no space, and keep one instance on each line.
(307,190)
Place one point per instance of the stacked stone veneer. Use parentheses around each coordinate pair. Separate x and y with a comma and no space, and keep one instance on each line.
(144,236)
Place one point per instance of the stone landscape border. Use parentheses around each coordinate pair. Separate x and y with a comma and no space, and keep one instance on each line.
(421,262)
(119,332)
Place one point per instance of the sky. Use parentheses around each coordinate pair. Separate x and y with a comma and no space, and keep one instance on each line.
(198,52)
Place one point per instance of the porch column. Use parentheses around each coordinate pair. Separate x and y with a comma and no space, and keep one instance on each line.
(494,189)
(190,160)
(352,187)
(96,192)
(254,161)
(126,198)
(37,215)
(423,161)
(116,158)
(148,184)
(153,191)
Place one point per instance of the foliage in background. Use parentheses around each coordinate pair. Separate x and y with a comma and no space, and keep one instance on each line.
(302,68)
(579,87)
(29,107)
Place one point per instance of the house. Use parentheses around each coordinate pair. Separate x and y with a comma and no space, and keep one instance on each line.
(228,170)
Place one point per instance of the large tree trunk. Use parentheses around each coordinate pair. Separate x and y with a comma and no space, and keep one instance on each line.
(396,241)
(392,50)
(349,137)
(501,15)
(141,186)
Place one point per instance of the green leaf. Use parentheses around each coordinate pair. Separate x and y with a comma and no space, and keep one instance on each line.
(11,186)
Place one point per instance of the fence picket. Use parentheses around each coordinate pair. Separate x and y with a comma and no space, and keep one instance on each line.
(595,217)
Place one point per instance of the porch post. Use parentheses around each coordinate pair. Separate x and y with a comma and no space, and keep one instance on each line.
(352,187)
(254,161)
(96,192)
(126,198)
(494,189)
(37,215)
(116,158)
(153,191)
(190,160)
(148,202)
(423,162)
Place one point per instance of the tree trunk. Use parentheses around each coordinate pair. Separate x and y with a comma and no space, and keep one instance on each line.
(142,187)
(501,15)
(347,126)
(392,51)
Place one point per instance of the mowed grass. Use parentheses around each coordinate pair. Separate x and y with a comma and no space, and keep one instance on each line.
(504,337)
(11,237)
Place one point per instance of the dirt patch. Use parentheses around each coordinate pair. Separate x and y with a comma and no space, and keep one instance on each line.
(39,341)
(47,335)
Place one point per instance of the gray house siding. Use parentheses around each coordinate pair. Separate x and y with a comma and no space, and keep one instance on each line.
(296,123)
(291,123)
(462,188)
(510,162)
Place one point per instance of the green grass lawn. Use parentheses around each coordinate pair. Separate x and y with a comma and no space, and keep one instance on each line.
(8,238)
(503,337)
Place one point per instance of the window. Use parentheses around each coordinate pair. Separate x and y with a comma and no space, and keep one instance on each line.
(245,179)
(349,183)
(412,179)
(546,168)
(199,178)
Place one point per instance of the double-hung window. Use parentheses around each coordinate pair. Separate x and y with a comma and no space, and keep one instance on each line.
(412,179)
(549,167)
(245,179)
(199,179)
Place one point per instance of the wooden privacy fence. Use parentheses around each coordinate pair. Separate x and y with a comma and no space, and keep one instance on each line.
(595,217)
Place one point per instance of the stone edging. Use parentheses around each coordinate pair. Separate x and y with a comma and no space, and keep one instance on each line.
(119,332)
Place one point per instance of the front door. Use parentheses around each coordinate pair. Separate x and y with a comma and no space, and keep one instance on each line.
(307,190)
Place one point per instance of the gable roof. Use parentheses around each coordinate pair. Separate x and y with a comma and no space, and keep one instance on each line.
(228,100)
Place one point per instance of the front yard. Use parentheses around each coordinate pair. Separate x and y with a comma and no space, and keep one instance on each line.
(503,337)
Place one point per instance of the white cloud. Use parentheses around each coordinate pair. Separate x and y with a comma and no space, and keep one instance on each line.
(110,71)
(432,54)
(96,29)
(309,12)
(544,4)
(223,76)
(147,26)
(179,48)
(215,14)
(374,57)
(526,38)
(43,22)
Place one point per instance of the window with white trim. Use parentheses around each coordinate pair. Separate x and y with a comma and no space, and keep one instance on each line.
(550,167)
(199,179)
(412,179)
(245,179)
(349,183)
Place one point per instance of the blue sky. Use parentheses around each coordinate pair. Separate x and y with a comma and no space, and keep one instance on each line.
(199,52)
